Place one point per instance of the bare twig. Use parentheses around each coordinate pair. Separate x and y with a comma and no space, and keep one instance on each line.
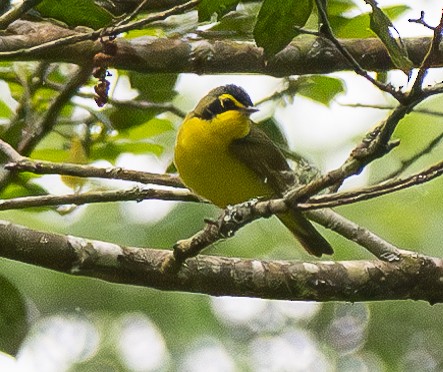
(421,21)
(433,53)
(424,111)
(78,170)
(348,197)
(326,30)
(365,238)
(10,152)
(133,14)
(405,164)
(140,104)
(133,194)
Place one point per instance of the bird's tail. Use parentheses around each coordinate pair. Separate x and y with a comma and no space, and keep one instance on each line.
(306,234)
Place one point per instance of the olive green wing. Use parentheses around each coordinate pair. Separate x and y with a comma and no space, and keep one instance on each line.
(259,153)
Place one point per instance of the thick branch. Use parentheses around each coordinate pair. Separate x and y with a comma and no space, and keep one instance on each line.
(152,55)
(416,277)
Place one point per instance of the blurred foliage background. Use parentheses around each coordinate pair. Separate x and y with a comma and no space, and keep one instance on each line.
(57,322)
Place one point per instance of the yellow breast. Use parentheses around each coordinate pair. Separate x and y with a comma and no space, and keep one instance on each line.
(207,166)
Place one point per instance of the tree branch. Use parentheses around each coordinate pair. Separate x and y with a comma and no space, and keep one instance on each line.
(415,277)
(390,186)
(16,12)
(133,194)
(154,55)
(78,170)
(54,41)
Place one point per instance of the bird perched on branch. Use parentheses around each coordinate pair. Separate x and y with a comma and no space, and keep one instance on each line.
(223,156)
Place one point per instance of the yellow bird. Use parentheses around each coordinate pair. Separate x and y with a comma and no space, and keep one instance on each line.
(223,156)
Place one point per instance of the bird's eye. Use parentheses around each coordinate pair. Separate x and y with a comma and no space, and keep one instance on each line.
(227,104)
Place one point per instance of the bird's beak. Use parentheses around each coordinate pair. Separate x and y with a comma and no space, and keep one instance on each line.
(249,110)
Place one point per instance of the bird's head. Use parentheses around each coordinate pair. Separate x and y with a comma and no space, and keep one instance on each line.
(224,98)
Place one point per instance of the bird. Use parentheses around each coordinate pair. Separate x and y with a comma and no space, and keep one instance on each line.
(223,156)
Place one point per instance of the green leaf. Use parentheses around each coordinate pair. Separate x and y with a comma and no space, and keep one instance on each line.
(153,32)
(207,8)
(48,154)
(276,22)
(52,148)
(235,25)
(154,87)
(319,88)
(76,12)
(337,7)
(111,150)
(358,27)
(384,29)
(16,90)
(273,130)
(4,6)
(124,117)
(5,110)
(393,12)
(13,320)
(151,128)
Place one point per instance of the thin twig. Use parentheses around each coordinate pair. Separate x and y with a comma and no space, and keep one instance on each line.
(133,194)
(360,235)
(390,107)
(421,21)
(140,104)
(370,192)
(133,14)
(148,105)
(433,53)
(10,152)
(328,33)
(87,171)
(405,164)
